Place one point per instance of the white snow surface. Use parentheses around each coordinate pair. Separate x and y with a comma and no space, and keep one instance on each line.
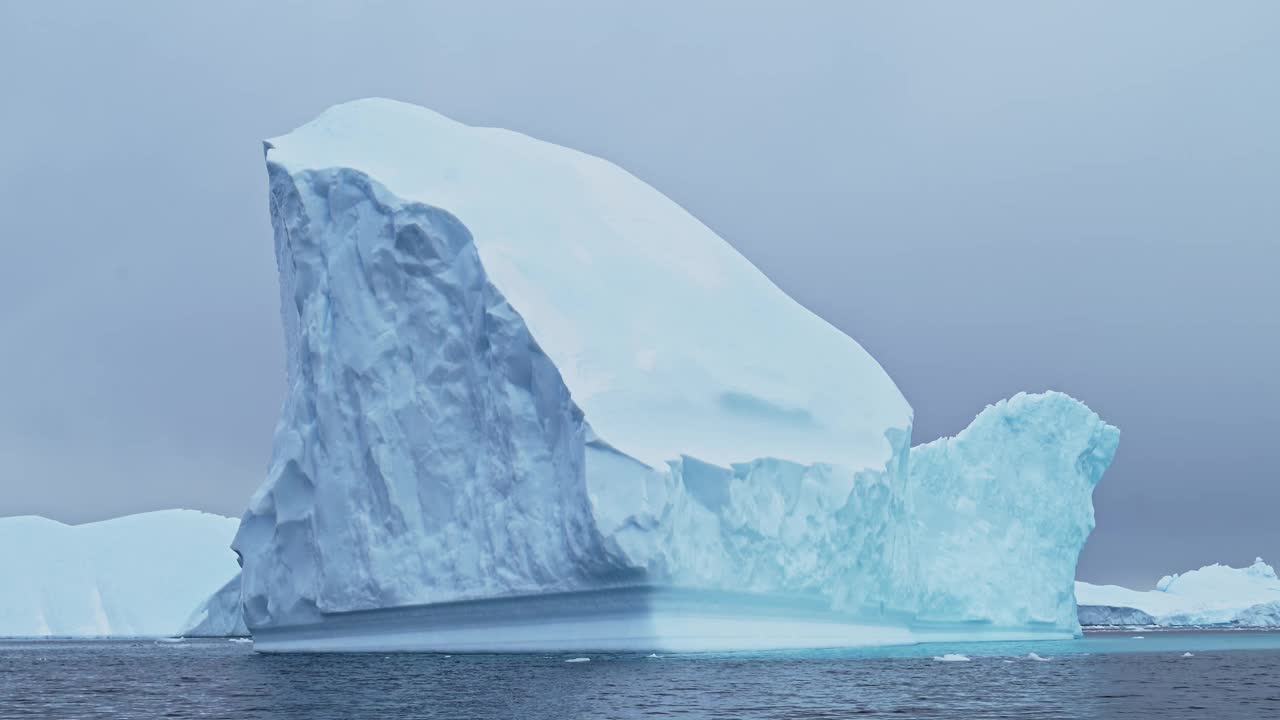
(1213,595)
(138,575)
(669,340)
(516,370)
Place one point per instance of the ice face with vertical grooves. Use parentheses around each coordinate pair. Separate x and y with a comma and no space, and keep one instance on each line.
(524,384)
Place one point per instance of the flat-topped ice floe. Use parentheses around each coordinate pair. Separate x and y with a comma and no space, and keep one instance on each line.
(535,405)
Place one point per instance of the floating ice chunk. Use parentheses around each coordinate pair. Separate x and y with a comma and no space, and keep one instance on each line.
(951,657)
(1187,654)
(578,660)
(1037,658)
(169,640)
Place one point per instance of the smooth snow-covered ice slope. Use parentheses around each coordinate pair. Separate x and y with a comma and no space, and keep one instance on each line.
(534,404)
(138,575)
(1212,595)
(668,339)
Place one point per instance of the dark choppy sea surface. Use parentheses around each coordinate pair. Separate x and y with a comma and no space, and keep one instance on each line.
(1110,675)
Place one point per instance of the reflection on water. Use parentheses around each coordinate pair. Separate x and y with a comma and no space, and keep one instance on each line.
(1228,675)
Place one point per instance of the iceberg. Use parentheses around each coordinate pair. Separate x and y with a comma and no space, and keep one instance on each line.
(1213,595)
(221,615)
(534,405)
(135,576)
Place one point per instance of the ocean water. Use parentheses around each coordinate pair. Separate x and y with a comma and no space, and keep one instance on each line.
(1108,675)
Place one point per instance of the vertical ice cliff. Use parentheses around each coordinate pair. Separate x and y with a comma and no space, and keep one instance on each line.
(1001,511)
(533,403)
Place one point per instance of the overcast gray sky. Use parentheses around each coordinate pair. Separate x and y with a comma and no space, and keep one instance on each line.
(990,197)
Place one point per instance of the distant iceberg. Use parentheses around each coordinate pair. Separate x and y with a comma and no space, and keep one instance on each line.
(535,405)
(1213,595)
(138,575)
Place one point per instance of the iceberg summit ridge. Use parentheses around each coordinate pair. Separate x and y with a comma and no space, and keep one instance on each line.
(534,405)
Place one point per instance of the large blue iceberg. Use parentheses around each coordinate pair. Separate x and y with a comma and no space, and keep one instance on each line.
(535,405)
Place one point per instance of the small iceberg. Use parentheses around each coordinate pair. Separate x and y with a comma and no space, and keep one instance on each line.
(1187,655)
(951,657)
(578,660)
(240,640)
(1037,658)
(169,640)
